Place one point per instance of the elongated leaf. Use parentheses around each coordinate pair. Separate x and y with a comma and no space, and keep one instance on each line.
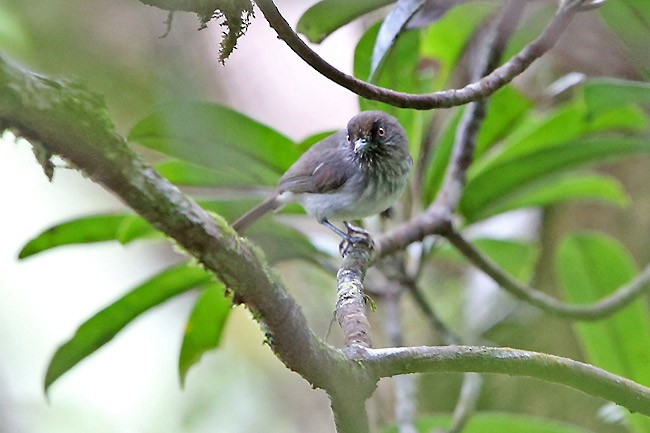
(444,42)
(279,242)
(187,174)
(399,72)
(204,327)
(313,139)
(322,19)
(506,177)
(135,227)
(492,422)
(218,138)
(103,326)
(391,27)
(96,228)
(568,187)
(591,266)
(436,169)
(505,109)
(563,124)
(606,93)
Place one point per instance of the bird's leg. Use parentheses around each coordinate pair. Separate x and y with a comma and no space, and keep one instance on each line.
(355,230)
(349,238)
(335,229)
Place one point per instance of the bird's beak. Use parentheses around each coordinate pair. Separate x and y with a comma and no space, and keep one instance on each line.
(359,144)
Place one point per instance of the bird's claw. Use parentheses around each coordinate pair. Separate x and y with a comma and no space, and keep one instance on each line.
(355,235)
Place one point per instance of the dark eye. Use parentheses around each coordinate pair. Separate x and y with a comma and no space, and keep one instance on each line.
(347,137)
(381,132)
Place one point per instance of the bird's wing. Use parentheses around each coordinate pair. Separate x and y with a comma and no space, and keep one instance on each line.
(321,169)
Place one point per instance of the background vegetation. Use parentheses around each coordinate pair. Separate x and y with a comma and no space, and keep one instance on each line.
(556,196)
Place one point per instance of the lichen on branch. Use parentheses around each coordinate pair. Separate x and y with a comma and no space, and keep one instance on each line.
(234,15)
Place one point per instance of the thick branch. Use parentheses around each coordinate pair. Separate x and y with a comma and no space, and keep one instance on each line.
(449,98)
(351,302)
(72,122)
(596,311)
(583,377)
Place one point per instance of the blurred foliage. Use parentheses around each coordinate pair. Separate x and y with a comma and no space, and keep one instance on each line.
(497,422)
(591,266)
(530,153)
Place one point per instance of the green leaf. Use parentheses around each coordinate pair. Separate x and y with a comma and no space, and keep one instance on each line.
(563,124)
(188,174)
(606,93)
(506,108)
(14,34)
(630,20)
(436,169)
(492,422)
(322,19)
(204,327)
(390,29)
(515,257)
(279,241)
(445,41)
(507,176)
(313,139)
(555,190)
(97,228)
(218,138)
(103,326)
(590,266)
(135,227)
(399,72)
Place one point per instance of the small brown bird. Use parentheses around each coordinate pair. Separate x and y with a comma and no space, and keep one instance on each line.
(354,173)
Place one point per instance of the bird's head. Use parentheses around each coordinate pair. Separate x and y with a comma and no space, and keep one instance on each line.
(375,133)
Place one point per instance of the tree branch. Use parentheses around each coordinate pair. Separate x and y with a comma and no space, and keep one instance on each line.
(598,310)
(449,98)
(474,114)
(583,377)
(436,219)
(351,302)
(71,122)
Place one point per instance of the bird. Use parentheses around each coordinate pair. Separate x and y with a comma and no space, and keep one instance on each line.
(356,172)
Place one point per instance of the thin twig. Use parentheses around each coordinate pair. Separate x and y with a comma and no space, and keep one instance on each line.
(447,336)
(436,219)
(474,114)
(445,99)
(513,362)
(466,404)
(622,297)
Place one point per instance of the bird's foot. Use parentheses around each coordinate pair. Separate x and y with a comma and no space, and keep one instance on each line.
(353,236)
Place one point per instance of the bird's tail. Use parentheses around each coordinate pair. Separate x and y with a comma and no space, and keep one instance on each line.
(268,205)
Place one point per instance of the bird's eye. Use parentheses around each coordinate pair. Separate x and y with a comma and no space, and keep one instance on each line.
(381,132)
(347,137)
